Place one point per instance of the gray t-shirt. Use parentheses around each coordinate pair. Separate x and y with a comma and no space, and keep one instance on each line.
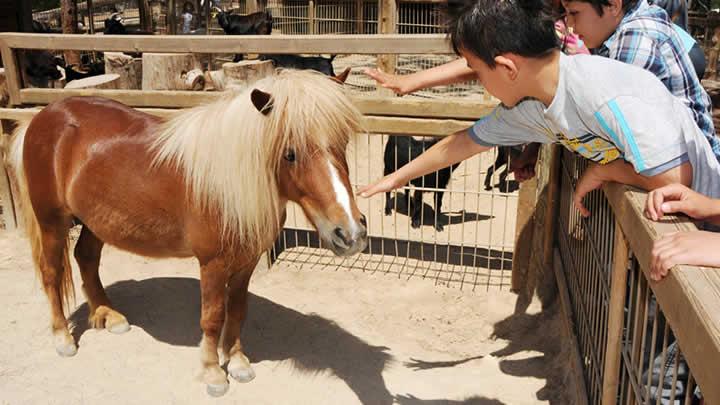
(604,109)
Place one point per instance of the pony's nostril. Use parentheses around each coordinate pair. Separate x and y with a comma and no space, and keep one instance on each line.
(363,220)
(341,235)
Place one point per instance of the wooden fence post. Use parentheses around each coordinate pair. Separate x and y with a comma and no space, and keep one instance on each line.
(359,16)
(311,17)
(540,275)
(387,20)
(527,198)
(616,315)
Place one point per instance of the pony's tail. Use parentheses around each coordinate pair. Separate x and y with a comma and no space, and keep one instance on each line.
(14,160)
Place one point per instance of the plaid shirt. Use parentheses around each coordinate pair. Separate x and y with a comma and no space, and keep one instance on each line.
(647,39)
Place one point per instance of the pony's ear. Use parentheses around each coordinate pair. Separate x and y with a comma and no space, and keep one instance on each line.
(262,101)
(342,76)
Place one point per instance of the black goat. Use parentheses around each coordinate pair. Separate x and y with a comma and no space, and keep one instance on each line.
(504,154)
(73,72)
(259,23)
(114,26)
(318,63)
(400,150)
(39,67)
(41,27)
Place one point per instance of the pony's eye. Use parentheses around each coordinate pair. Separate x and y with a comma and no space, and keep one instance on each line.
(290,156)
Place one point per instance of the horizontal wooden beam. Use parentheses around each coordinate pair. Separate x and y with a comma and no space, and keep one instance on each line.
(431,108)
(689,296)
(368,105)
(133,98)
(318,44)
(373,124)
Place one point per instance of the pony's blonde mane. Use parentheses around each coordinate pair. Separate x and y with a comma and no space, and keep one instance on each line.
(229,152)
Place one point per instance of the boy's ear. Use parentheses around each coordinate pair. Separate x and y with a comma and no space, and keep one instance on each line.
(615,8)
(508,64)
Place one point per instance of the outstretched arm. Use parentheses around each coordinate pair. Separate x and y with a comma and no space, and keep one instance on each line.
(456,71)
(453,149)
(620,171)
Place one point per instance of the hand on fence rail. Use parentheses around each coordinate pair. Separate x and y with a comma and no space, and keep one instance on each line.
(694,248)
(620,171)
(697,248)
(675,198)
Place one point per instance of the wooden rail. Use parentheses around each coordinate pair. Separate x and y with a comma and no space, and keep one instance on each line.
(336,44)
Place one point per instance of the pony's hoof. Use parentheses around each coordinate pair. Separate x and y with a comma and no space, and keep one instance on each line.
(118,328)
(110,319)
(64,344)
(240,369)
(242,375)
(66,350)
(217,390)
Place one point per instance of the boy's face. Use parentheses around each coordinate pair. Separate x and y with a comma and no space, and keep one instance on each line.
(498,81)
(593,28)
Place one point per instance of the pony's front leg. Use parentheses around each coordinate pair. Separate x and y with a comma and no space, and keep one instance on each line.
(237,289)
(213,276)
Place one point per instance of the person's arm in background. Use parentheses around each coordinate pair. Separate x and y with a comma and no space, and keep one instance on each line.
(456,71)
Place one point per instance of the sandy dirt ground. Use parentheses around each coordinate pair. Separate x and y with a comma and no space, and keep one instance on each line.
(332,337)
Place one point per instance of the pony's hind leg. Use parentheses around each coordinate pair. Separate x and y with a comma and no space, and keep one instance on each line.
(55,273)
(213,277)
(101,314)
(239,365)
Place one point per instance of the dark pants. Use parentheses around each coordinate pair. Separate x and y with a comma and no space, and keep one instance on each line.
(698,60)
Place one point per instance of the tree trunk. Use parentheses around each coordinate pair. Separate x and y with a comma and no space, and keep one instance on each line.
(106,81)
(68,10)
(244,73)
(128,68)
(164,71)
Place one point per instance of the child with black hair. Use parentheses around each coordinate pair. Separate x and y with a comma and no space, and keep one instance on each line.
(628,124)
(634,32)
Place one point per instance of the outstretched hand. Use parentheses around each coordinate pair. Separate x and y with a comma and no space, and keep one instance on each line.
(384,185)
(397,83)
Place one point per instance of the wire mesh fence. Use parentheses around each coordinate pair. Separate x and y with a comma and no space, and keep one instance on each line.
(652,369)
(467,244)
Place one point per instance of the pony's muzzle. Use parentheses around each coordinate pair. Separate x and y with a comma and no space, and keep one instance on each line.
(349,241)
